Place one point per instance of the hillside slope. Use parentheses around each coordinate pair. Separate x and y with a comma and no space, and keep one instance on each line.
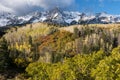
(78,50)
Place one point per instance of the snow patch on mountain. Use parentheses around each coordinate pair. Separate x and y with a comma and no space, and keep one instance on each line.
(58,16)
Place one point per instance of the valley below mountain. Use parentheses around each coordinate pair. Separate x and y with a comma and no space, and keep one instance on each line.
(42,51)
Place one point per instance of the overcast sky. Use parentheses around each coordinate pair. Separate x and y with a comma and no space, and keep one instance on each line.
(25,6)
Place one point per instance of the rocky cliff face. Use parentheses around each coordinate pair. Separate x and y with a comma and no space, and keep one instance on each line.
(58,16)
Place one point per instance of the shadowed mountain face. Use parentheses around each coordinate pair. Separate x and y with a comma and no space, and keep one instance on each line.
(57,16)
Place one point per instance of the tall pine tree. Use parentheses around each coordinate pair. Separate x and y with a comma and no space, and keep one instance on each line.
(4,54)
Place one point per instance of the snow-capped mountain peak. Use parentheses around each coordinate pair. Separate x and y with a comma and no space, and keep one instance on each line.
(57,16)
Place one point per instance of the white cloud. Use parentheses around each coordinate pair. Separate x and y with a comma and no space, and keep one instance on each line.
(5,9)
(25,6)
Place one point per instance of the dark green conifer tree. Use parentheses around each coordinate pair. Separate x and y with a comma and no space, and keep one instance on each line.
(4,54)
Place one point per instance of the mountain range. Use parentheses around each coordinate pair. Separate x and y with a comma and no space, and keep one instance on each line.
(57,16)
